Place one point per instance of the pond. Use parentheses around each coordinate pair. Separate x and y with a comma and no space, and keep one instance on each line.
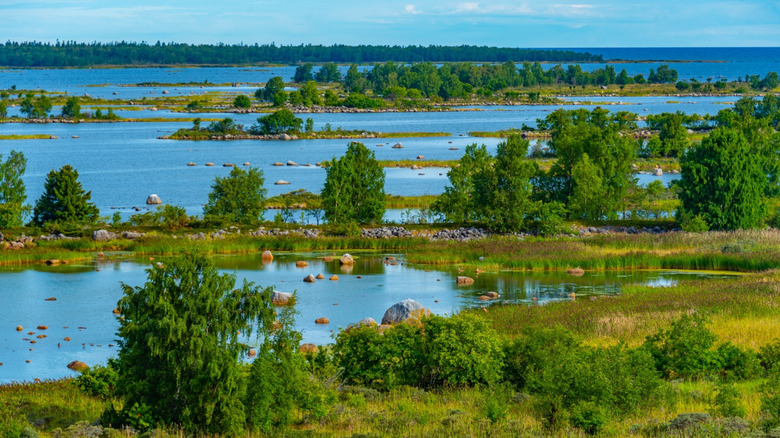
(86,294)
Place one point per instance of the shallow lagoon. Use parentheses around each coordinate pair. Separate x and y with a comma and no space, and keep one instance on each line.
(88,292)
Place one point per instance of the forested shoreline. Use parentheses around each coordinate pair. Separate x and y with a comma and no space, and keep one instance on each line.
(73,54)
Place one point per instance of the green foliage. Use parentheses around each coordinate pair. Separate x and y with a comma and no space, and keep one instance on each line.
(589,417)
(722,179)
(357,100)
(180,350)
(726,402)
(3,109)
(12,190)
(170,217)
(71,109)
(194,106)
(598,135)
(496,193)
(309,94)
(692,224)
(769,355)
(242,101)
(770,399)
(280,98)
(99,380)
(455,351)
(237,198)
(329,72)
(64,200)
(303,73)
(279,381)
(272,87)
(222,127)
(562,373)
(456,201)
(502,192)
(734,363)
(279,122)
(354,188)
(36,108)
(683,350)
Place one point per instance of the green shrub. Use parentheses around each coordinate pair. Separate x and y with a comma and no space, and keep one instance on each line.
(99,380)
(733,363)
(769,355)
(727,403)
(770,399)
(454,351)
(462,350)
(684,349)
(589,417)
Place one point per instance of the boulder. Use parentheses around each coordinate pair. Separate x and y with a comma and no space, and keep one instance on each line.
(246,163)
(153,200)
(322,321)
(252,352)
(285,137)
(209,164)
(346,259)
(334,278)
(492,295)
(301,264)
(309,278)
(103,235)
(191,164)
(408,311)
(658,172)
(291,163)
(131,235)
(420,157)
(308,348)
(277,164)
(281,298)
(19,328)
(320,276)
(465,281)
(577,272)
(282,182)
(267,256)
(228,165)
(327,259)
(398,146)
(365,322)
(78,365)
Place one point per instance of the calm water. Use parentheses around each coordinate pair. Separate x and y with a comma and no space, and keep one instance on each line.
(87,293)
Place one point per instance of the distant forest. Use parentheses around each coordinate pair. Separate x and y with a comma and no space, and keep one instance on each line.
(72,54)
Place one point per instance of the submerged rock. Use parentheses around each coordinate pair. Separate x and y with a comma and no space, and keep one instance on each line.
(464,281)
(153,200)
(78,365)
(347,260)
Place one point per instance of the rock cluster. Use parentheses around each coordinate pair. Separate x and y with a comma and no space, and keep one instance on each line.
(609,229)
(385,232)
(305,232)
(460,234)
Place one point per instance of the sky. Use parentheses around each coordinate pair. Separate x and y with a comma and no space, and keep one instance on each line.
(537,23)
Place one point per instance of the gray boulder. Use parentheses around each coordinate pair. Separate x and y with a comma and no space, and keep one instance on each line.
(365,322)
(103,235)
(153,200)
(409,311)
(281,298)
(347,260)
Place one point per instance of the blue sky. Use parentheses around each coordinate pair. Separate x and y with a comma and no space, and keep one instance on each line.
(539,23)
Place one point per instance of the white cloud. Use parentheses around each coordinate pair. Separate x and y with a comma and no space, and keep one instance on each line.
(410,9)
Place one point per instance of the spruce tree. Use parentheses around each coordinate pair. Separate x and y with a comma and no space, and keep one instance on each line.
(64,200)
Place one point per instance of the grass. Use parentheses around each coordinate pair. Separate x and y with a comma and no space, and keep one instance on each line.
(27,137)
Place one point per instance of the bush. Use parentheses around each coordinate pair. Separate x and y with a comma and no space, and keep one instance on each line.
(242,101)
(589,417)
(770,400)
(455,351)
(99,380)
(683,350)
(279,122)
(733,363)
(769,355)
(727,403)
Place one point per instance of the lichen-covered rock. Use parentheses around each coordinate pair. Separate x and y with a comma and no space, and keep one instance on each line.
(409,311)
(347,259)
(78,365)
(103,235)
(365,322)
(281,298)
(464,281)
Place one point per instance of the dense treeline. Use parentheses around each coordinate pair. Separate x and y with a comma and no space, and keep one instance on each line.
(73,54)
